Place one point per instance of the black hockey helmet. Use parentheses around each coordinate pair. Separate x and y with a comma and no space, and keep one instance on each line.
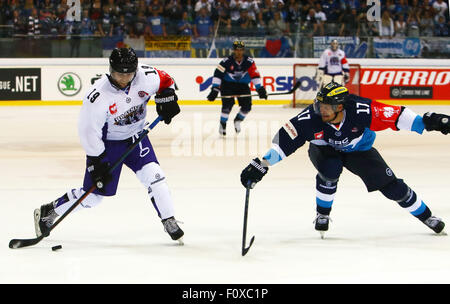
(123,60)
(238,44)
(333,94)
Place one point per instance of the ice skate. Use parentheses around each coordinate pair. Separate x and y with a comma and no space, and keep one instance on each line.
(171,227)
(435,224)
(237,125)
(44,218)
(223,128)
(322,222)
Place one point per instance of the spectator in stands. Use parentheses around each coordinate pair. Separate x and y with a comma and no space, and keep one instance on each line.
(268,10)
(203,25)
(293,15)
(441,9)
(332,12)
(96,10)
(87,25)
(400,26)
(386,25)
(202,4)
(413,25)
(129,11)
(155,24)
(261,26)
(18,23)
(277,26)
(185,26)
(139,25)
(309,26)
(113,9)
(426,24)
(441,27)
(349,23)
(155,5)
(401,7)
(223,12)
(105,24)
(122,28)
(52,25)
(252,7)
(33,25)
(245,23)
(321,19)
(173,12)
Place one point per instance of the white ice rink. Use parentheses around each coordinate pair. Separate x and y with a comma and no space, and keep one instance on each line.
(371,239)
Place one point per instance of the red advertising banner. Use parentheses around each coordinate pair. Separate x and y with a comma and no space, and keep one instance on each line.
(405,83)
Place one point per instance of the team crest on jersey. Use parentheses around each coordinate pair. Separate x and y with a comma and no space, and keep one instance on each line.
(113,109)
(388,112)
(142,94)
(318,135)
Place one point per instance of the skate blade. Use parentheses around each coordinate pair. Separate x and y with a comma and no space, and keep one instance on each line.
(442,233)
(37,217)
(180,241)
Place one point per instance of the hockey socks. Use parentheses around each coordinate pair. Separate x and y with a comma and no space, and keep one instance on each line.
(408,199)
(325,192)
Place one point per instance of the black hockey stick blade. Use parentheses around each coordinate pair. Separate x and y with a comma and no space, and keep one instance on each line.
(244,249)
(19,243)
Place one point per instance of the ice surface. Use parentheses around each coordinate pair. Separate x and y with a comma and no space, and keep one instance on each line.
(371,239)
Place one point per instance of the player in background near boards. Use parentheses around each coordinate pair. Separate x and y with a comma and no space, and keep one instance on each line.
(232,77)
(341,130)
(112,116)
(333,66)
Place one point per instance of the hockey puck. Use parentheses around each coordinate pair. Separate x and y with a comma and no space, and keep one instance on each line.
(57,247)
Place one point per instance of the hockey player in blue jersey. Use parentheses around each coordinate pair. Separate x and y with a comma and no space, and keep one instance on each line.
(232,77)
(341,130)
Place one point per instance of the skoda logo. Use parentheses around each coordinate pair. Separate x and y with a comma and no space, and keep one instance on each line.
(69,84)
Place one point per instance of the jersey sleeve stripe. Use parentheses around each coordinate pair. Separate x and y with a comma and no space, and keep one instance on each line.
(410,121)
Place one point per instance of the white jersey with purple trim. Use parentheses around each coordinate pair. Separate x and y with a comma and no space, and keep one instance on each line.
(117,114)
(333,62)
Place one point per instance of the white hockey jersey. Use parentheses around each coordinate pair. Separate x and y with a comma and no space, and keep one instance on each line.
(333,62)
(113,114)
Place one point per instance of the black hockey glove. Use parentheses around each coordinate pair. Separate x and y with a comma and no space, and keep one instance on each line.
(253,173)
(437,122)
(167,105)
(98,167)
(213,94)
(262,92)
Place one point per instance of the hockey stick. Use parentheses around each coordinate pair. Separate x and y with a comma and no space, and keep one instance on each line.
(19,243)
(244,234)
(295,87)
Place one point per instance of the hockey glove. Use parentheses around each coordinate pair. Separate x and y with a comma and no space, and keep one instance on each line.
(346,77)
(98,167)
(253,173)
(166,104)
(262,92)
(213,94)
(437,122)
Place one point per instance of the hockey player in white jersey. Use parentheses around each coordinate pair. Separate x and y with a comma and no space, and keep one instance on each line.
(333,66)
(112,116)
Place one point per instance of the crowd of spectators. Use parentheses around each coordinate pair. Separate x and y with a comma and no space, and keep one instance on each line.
(199,18)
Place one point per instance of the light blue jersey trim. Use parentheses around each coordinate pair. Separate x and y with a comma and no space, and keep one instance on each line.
(272,157)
